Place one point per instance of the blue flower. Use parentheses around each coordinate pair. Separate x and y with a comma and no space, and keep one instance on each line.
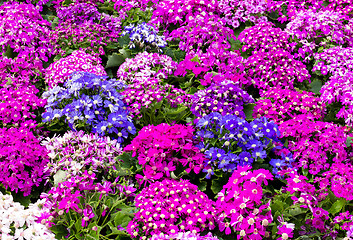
(102,127)
(259,152)
(203,122)
(277,163)
(245,159)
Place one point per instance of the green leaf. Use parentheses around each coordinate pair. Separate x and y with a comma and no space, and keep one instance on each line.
(248,111)
(9,52)
(115,60)
(202,186)
(121,219)
(315,86)
(195,59)
(124,40)
(60,231)
(337,206)
(216,186)
(349,141)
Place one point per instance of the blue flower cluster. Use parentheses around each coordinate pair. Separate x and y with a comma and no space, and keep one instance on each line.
(144,34)
(91,102)
(230,141)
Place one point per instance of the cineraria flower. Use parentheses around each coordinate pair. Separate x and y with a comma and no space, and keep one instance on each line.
(240,11)
(79,60)
(309,26)
(184,236)
(274,69)
(76,151)
(22,160)
(19,223)
(240,205)
(264,37)
(20,106)
(78,13)
(188,209)
(161,149)
(144,35)
(230,141)
(225,97)
(280,105)
(71,104)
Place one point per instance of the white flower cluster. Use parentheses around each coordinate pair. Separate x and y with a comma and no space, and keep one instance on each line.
(16,222)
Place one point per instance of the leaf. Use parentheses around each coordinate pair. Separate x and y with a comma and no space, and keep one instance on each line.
(248,111)
(315,86)
(59,177)
(202,186)
(349,141)
(337,206)
(121,219)
(216,186)
(115,60)
(60,231)
(124,40)
(195,59)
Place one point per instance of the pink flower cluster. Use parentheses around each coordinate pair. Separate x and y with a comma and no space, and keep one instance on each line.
(161,149)
(315,144)
(24,30)
(79,60)
(76,151)
(264,37)
(184,236)
(20,106)
(309,26)
(22,160)
(275,69)
(283,104)
(170,207)
(240,205)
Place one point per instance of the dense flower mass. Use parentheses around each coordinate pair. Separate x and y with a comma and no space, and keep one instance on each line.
(15,216)
(161,149)
(240,206)
(170,207)
(79,60)
(230,142)
(280,105)
(75,151)
(101,111)
(176,119)
(225,97)
(22,160)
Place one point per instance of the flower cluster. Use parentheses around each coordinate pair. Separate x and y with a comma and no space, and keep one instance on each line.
(78,197)
(338,89)
(275,69)
(280,105)
(239,11)
(22,160)
(161,149)
(315,144)
(309,26)
(24,30)
(20,107)
(101,111)
(241,208)
(79,60)
(145,67)
(229,141)
(137,96)
(201,32)
(18,72)
(170,207)
(144,35)
(78,13)
(19,223)
(88,35)
(76,152)
(334,61)
(184,236)
(264,37)
(225,97)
